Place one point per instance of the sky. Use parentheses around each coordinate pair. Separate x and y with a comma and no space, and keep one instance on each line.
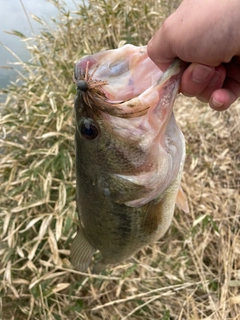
(13,17)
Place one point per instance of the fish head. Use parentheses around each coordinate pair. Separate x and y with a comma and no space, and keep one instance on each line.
(128,146)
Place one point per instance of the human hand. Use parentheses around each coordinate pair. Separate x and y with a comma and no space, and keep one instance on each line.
(205,34)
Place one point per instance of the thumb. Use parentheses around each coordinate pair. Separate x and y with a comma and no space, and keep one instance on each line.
(159,51)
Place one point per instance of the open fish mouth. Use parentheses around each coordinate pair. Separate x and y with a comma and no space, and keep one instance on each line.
(124,83)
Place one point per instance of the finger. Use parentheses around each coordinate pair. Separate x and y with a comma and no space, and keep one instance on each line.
(195,79)
(221,99)
(161,55)
(215,83)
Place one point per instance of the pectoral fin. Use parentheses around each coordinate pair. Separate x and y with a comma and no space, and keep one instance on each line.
(81,252)
(181,201)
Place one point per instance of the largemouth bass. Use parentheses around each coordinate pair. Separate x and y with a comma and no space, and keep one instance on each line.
(129,154)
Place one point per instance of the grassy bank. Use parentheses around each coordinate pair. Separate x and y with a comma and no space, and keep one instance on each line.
(193,272)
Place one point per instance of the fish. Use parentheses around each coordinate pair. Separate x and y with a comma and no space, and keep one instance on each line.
(129,154)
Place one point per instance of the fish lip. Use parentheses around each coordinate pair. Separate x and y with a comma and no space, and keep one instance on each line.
(175,69)
(94,91)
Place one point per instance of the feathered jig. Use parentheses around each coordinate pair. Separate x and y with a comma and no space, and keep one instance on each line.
(94,96)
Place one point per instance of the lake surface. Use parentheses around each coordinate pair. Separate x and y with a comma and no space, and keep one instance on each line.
(14,17)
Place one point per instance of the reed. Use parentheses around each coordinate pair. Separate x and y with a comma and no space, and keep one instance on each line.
(193,272)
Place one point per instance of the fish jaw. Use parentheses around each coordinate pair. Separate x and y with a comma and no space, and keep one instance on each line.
(169,148)
(162,138)
(128,71)
(121,81)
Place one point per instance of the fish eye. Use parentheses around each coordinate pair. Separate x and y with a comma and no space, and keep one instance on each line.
(88,129)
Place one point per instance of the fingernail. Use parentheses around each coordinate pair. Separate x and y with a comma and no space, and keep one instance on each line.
(216,103)
(201,73)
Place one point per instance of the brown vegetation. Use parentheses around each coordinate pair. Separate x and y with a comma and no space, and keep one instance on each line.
(193,272)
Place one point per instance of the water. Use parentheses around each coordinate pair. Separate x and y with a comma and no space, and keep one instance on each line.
(13,17)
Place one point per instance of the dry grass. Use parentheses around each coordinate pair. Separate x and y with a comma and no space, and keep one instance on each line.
(192,273)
